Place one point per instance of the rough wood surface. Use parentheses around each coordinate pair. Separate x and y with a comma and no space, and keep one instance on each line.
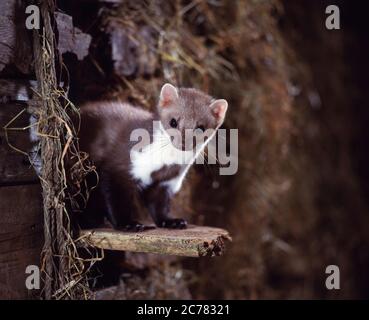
(15,46)
(21,238)
(195,241)
(15,166)
(71,39)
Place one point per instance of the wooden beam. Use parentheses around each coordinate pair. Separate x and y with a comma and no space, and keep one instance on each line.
(195,241)
(21,238)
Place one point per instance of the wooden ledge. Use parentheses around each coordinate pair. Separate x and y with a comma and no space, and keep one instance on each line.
(195,241)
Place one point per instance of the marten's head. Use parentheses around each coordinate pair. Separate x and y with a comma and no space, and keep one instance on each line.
(189,115)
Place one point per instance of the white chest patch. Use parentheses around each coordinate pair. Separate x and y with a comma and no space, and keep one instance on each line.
(154,156)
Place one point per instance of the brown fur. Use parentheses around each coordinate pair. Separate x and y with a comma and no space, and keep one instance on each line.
(104,135)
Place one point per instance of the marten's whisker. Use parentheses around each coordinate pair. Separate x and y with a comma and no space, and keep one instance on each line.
(142,172)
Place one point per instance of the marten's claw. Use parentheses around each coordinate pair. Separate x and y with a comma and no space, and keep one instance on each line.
(174,224)
(135,227)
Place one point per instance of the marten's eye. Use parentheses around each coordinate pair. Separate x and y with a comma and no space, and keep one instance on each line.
(173,123)
(201,128)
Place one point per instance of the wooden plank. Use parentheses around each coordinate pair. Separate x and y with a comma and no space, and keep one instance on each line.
(21,238)
(14,165)
(15,44)
(195,241)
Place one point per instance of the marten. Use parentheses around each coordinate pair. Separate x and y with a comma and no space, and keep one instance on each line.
(149,171)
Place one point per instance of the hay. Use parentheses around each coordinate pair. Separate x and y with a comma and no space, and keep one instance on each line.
(64,169)
(162,37)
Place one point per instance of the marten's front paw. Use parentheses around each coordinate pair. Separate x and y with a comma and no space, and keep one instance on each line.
(173,224)
(135,227)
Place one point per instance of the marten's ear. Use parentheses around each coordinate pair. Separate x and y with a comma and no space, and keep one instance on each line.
(219,109)
(168,95)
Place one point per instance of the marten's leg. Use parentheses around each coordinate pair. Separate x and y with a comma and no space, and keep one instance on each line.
(157,199)
(120,202)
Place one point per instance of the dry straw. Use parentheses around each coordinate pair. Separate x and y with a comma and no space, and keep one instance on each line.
(65,259)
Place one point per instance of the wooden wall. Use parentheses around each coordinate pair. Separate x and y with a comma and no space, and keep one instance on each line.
(20,198)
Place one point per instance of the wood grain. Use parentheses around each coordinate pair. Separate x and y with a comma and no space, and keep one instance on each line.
(15,45)
(21,239)
(195,241)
